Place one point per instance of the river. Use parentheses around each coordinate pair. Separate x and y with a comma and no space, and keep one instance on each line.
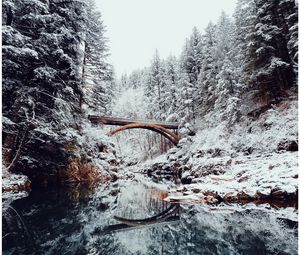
(80,220)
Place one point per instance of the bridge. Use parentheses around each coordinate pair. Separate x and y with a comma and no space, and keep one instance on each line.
(166,129)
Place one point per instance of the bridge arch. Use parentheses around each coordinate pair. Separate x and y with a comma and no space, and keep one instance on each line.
(172,210)
(172,136)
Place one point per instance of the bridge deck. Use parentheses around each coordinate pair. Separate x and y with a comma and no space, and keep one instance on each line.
(106,120)
(124,227)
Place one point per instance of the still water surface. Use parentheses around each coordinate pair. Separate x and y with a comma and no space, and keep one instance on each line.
(81,220)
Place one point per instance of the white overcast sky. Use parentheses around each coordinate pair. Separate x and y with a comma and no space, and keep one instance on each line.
(135,28)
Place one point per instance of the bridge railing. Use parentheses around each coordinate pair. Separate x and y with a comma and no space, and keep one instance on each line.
(107,120)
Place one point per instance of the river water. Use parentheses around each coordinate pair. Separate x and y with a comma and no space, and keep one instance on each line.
(80,220)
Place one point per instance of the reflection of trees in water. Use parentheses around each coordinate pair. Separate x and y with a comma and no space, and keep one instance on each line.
(237,233)
(201,232)
(61,224)
(14,229)
(53,221)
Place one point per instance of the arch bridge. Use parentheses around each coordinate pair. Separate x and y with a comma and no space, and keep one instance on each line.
(166,129)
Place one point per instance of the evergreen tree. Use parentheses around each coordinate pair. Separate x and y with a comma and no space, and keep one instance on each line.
(154,86)
(270,63)
(244,20)
(98,75)
(172,96)
(207,77)
(191,63)
(43,67)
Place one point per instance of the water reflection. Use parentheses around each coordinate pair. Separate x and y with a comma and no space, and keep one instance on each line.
(80,222)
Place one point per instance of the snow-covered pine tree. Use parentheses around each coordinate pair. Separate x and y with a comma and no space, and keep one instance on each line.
(98,75)
(192,57)
(270,61)
(18,59)
(42,71)
(227,89)
(191,63)
(244,21)
(224,39)
(289,18)
(207,77)
(171,96)
(154,86)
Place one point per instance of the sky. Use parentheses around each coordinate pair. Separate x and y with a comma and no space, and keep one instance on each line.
(136,28)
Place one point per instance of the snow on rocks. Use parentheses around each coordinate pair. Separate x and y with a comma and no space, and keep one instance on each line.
(255,160)
(260,177)
(14,186)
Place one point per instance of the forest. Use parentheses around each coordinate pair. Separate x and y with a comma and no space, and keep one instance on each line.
(233,90)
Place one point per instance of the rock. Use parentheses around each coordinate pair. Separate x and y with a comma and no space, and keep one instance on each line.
(278,194)
(260,196)
(217,152)
(230,197)
(187,179)
(247,150)
(196,190)
(114,177)
(243,197)
(210,200)
(213,168)
(114,192)
(243,178)
(103,206)
(287,146)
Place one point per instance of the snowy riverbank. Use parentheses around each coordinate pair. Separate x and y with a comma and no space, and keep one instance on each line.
(256,162)
(14,186)
(272,177)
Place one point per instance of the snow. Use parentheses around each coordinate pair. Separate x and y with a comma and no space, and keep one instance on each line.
(261,174)
(22,52)
(262,135)
(13,186)
(7,121)
(131,104)
(229,162)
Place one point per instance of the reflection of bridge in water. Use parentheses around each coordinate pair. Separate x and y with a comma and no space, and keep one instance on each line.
(169,214)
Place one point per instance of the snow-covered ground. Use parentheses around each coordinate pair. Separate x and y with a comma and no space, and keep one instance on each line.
(254,160)
(273,174)
(14,186)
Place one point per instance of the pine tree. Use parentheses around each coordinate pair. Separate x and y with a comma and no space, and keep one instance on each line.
(42,66)
(191,63)
(98,75)
(270,63)
(172,96)
(192,56)
(244,20)
(207,77)
(154,86)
